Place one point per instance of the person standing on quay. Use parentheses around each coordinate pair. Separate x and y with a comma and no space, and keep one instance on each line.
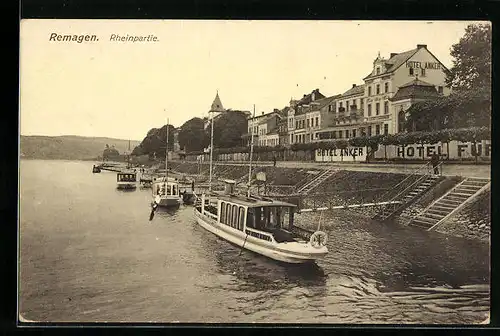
(274,160)
(435,163)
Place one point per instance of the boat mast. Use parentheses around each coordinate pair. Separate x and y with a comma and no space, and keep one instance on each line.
(251,154)
(166,159)
(128,155)
(211,151)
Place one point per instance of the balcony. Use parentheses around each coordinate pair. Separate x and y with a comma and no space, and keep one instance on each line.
(379,117)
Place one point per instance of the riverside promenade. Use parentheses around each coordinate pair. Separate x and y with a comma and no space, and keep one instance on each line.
(452,169)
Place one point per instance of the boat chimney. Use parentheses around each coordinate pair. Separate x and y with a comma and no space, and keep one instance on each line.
(229,187)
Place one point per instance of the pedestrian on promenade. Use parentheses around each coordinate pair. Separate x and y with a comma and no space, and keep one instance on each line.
(435,163)
(274,160)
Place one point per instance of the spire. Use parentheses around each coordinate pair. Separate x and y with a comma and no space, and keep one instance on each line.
(217,104)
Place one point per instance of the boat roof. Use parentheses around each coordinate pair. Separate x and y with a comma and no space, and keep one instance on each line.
(126,172)
(252,202)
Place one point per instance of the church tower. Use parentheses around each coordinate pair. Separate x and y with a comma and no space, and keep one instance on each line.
(217,104)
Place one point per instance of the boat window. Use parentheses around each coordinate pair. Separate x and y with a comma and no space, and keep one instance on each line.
(222,211)
(251,218)
(169,189)
(241,221)
(227,219)
(234,221)
(175,190)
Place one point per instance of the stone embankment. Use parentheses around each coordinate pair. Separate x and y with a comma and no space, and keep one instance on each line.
(472,221)
(353,187)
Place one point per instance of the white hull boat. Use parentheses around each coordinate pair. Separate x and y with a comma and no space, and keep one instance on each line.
(126,180)
(261,226)
(166,193)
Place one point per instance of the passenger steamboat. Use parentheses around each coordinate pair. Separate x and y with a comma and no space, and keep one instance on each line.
(262,225)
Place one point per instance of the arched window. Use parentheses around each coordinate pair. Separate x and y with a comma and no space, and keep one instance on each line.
(401,120)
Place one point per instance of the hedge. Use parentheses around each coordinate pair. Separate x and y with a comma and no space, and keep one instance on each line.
(463,134)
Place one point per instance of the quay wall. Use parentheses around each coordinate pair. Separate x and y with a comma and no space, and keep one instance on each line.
(473,221)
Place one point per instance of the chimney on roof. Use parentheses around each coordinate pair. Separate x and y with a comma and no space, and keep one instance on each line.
(262,112)
(393,54)
(353,86)
(420,46)
(304,96)
(276,110)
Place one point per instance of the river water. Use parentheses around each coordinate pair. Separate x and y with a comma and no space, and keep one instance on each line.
(88,253)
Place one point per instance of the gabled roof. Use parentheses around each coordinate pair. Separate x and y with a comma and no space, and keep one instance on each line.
(416,82)
(320,103)
(416,89)
(307,99)
(394,62)
(355,90)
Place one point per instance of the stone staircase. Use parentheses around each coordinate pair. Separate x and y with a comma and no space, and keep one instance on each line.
(322,177)
(450,203)
(416,189)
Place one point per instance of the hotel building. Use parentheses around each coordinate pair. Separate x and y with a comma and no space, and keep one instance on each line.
(379,105)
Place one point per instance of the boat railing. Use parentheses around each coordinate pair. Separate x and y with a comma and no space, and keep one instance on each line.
(301,232)
(259,234)
(208,213)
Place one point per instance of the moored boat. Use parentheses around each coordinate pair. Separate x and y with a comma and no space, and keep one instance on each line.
(261,225)
(126,180)
(165,189)
(166,192)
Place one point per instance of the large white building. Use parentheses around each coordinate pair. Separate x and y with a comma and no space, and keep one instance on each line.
(374,108)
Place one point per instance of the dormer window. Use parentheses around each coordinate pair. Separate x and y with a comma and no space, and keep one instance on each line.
(378,70)
(411,71)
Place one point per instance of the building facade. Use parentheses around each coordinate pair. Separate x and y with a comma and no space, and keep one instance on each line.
(371,109)
(378,106)
(264,128)
(300,113)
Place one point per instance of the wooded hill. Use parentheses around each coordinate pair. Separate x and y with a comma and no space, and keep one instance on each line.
(70,147)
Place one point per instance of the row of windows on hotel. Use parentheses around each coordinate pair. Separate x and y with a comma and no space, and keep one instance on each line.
(313,122)
(269,142)
(341,134)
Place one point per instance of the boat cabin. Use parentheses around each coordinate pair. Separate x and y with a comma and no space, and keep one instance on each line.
(264,219)
(166,188)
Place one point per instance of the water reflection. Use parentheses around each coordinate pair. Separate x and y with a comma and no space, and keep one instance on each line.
(255,272)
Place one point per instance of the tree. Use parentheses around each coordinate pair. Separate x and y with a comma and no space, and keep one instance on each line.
(472,59)
(110,153)
(229,127)
(192,136)
(155,142)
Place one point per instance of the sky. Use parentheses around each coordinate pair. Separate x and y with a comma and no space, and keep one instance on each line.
(123,89)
